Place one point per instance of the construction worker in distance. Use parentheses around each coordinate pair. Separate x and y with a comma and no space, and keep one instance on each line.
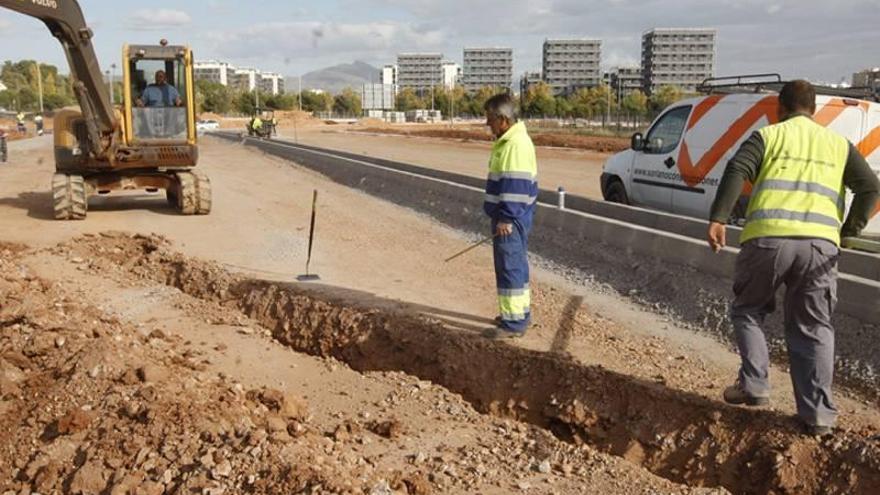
(511,196)
(794,224)
(38,124)
(257,124)
(4,152)
(19,122)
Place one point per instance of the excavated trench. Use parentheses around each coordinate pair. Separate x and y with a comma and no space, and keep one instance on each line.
(677,435)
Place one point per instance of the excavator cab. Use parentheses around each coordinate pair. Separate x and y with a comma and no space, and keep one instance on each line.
(159,102)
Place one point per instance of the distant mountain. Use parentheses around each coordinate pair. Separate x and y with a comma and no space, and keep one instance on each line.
(336,78)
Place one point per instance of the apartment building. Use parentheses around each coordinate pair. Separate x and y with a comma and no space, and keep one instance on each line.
(240,79)
(624,80)
(571,63)
(419,71)
(389,74)
(487,67)
(677,57)
(868,78)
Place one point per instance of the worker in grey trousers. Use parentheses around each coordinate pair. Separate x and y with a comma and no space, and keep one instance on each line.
(794,225)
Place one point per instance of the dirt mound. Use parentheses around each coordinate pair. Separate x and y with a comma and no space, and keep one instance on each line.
(90,405)
(682,437)
(559,140)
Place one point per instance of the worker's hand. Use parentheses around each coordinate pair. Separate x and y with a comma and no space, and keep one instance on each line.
(503,229)
(717,236)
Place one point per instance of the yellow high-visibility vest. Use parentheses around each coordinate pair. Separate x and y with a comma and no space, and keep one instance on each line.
(799,191)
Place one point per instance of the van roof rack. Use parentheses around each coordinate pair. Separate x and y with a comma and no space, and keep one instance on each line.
(772,83)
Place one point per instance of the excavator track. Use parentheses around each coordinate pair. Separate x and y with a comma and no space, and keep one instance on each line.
(69,197)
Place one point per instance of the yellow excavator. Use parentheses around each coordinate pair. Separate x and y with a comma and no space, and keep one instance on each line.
(149,145)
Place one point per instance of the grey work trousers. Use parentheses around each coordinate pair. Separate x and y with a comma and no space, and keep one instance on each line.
(808,268)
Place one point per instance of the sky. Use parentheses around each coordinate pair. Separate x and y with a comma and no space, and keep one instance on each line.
(817,39)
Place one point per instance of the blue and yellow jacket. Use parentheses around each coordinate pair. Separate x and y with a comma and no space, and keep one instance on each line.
(512,186)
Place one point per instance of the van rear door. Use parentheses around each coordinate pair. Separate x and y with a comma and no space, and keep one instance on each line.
(869,146)
(654,168)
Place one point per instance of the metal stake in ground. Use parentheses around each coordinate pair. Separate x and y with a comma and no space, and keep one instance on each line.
(308,276)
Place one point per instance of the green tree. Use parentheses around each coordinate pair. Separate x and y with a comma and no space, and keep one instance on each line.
(665,96)
(22,80)
(475,103)
(348,103)
(450,101)
(635,102)
(245,102)
(407,100)
(213,97)
(538,101)
(282,101)
(591,102)
(564,108)
(316,101)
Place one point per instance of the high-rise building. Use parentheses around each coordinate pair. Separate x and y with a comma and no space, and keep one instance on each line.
(624,80)
(570,64)
(243,79)
(527,81)
(677,57)
(212,70)
(270,82)
(868,78)
(419,71)
(451,74)
(389,74)
(487,67)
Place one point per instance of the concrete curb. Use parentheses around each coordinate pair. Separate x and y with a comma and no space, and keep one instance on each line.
(558,235)
(859,264)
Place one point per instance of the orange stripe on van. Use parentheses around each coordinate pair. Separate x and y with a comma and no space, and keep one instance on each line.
(871,142)
(828,113)
(694,174)
(703,108)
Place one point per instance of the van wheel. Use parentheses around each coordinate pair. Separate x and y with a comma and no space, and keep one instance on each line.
(616,193)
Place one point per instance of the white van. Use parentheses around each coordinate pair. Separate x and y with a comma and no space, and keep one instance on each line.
(678,164)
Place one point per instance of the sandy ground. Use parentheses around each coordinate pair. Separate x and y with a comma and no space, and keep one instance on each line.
(382,256)
(577,171)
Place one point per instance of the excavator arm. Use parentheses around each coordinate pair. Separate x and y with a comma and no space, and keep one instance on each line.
(65,21)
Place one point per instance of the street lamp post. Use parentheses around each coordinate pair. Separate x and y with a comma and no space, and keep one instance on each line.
(40,86)
(112,77)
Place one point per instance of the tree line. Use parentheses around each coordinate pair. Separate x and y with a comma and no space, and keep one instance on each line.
(539,101)
(216,98)
(23,83)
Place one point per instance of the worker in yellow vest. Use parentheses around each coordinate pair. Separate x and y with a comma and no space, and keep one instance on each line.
(794,224)
(19,122)
(510,204)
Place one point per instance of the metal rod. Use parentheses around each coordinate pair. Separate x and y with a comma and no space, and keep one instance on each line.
(312,230)
(469,249)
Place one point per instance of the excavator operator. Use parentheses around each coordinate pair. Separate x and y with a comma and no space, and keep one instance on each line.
(160,94)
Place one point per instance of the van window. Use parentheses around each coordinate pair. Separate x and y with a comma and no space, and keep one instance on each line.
(669,130)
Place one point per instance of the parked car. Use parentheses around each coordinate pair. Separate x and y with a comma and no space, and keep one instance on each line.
(207,125)
(678,164)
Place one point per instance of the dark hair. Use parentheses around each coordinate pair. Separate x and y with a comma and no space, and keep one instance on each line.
(502,105)
(797,96)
